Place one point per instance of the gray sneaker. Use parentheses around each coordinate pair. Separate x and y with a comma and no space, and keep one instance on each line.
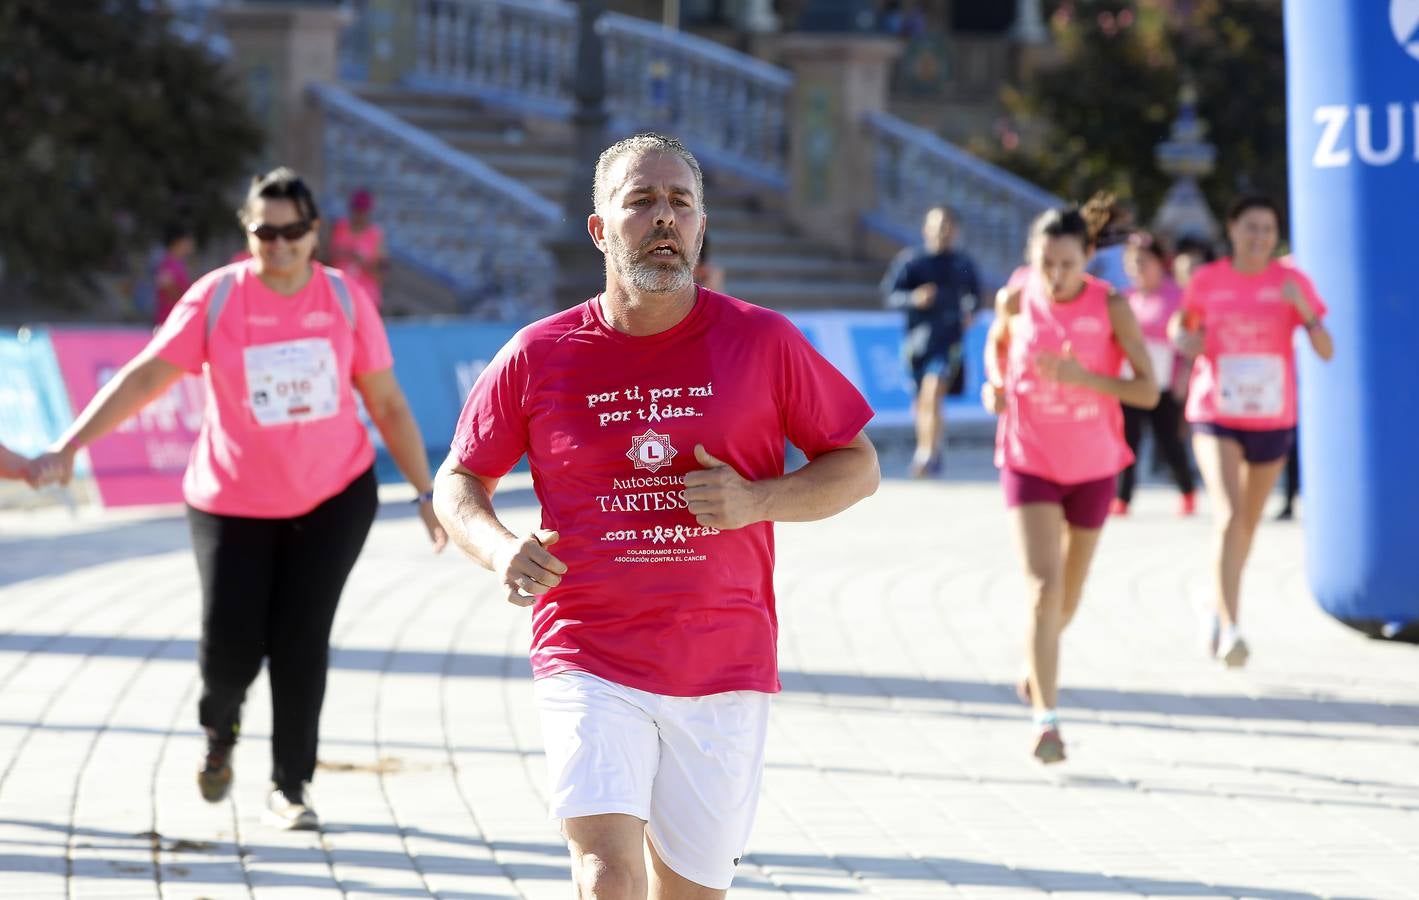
(291,810)
(214,779)
(1235,653)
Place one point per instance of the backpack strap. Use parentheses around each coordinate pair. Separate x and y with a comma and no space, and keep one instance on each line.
(342,294)
(219,301)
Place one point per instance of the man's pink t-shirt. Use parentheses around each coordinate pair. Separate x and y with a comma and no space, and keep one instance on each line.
(1245,377)
(1061,432)
(609,423)
(281,432)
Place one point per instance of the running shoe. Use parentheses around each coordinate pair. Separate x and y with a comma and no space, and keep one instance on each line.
(1235,652)
(1049,746)
(290,810)
(1118,507)
(214,779)
(1188,505)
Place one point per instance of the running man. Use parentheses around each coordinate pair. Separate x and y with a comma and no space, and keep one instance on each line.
(940,291)
(1053,357)
(1237,319)
(654,417)
(280,487)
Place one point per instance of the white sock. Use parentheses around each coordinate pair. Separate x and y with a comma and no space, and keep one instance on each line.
(1046,718)
(1229,634)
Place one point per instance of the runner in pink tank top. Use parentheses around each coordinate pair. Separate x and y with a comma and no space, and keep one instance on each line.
(1052,358)
(357,247)
(1238,319)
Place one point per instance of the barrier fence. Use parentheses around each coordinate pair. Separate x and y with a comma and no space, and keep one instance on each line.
(46,375)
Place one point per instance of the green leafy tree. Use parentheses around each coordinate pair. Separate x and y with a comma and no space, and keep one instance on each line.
(113,128)
(1092,119)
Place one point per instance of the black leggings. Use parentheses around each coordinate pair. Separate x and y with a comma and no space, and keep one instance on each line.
(1166,418)
(269,591)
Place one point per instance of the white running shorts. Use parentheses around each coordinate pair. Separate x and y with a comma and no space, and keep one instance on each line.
(690,767)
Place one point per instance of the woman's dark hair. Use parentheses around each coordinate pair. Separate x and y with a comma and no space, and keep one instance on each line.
(1148,242)
(1192,245)
(174,232)
(280,184)
(1247,202)
(1085,224)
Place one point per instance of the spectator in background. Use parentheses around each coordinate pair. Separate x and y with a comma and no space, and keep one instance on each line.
(172,278)
(1107,262)
(708,274)
(1191,254)
(357,247)
(939,289)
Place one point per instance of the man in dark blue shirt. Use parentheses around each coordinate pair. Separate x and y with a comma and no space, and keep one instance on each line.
(940,291)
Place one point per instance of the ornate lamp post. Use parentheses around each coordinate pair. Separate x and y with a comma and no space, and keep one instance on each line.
(1187,157)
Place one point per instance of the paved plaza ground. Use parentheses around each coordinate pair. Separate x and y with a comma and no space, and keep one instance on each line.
(898,757)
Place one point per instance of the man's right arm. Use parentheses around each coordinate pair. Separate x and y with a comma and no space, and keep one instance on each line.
(463,502)
(896,285)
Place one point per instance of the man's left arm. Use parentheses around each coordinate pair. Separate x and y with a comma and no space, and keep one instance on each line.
(719,497)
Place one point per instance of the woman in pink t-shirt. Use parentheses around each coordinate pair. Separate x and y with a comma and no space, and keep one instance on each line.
(280,486)
(1154,298)
(1238,318)
(357,247)
(1053,357)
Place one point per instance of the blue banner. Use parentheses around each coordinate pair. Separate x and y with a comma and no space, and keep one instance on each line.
(436,364)
(1352,75)
(33,407)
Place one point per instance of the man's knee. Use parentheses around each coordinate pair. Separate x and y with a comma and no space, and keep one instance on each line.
(611,876)
(608,856)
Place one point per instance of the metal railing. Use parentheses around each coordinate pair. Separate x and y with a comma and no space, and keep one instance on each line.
(480,231)
(914,169)
(729,107)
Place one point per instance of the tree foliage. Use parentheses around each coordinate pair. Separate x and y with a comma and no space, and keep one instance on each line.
(113,129)
(1093,119)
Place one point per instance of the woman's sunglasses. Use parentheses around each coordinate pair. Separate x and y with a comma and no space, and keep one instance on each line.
(268,233)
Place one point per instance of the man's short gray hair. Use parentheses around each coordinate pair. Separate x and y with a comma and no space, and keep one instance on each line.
(645,142)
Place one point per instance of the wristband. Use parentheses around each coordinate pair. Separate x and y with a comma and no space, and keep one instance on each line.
(1313,324)
(425,497)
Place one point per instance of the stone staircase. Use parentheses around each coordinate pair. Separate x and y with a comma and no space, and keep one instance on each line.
(765,261)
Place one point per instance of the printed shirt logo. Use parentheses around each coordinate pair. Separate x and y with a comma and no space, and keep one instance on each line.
(1404,22)
(317,319)
(651,451)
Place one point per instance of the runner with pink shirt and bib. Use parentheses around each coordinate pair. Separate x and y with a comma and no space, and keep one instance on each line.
(280,486)
(1154,298)
(1053,357)
(653,417)
(1238,318)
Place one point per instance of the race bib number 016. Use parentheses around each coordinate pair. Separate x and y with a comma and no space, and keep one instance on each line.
(1251,385)
(292,381)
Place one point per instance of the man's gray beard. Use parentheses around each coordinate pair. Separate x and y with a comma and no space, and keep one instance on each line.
(647,277)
